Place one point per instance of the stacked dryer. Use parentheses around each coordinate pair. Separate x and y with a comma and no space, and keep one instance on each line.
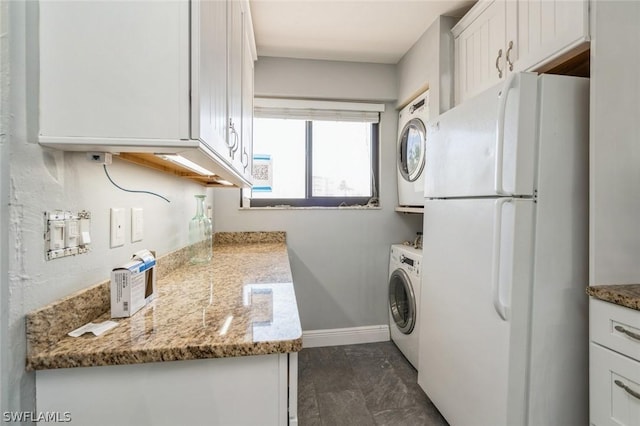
(412,137)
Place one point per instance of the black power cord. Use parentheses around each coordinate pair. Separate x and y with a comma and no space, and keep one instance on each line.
(130,190)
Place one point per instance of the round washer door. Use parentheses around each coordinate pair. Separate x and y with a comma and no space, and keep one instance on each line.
(411,149)
(402,301)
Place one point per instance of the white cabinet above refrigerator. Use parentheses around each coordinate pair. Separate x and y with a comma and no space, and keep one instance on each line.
(499,37)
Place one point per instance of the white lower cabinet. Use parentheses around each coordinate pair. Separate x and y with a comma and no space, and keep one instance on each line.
(615,388)
(614,364)
(246,390)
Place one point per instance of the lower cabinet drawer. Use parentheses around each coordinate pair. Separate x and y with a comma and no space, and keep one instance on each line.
(614,388)
(615,327)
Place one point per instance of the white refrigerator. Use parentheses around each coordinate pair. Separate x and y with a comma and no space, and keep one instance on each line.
(504,319)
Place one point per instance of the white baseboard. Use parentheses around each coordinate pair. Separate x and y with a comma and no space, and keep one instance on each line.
(345,336)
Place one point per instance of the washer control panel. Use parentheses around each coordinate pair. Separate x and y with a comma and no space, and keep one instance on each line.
(404,256)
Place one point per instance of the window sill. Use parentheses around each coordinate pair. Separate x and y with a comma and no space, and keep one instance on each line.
(313,208)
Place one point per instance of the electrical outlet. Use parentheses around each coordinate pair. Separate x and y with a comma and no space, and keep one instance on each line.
(117,227)
(137,224)
(99,157)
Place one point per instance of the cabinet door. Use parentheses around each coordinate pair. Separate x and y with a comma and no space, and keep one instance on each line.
(236,28)
(213,392)
(114,70)
(209,74)
(480,52)
(548,29)
(614,386)
(247,107)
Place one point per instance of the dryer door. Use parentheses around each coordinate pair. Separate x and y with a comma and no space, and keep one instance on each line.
(411,149)
(402,301)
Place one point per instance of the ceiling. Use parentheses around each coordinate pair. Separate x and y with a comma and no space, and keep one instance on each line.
(379,31)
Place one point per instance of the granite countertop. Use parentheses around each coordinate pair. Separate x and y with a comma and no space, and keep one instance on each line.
(627,295)
(241,303)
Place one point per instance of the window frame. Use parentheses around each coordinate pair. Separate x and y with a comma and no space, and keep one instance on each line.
(315,201)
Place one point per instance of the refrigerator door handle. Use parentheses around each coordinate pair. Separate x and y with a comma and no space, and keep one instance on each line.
(502,109)
(501,308)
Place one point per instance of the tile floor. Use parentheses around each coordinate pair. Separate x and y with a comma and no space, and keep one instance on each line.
(361,385)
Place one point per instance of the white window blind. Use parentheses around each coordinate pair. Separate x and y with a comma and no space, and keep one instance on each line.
(317,110)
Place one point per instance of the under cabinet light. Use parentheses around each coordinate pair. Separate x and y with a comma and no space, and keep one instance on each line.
(178,159)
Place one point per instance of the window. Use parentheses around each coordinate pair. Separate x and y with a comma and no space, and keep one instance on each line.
(321,156)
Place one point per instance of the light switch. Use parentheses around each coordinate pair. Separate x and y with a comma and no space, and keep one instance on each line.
(137,224)
(66,233)
(72,233)
(85,238)
(56,238)
(117,227)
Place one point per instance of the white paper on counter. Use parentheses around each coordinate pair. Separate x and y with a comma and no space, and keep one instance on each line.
(96,329)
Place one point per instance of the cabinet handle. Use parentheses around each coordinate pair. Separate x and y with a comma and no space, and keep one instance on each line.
(498,63)
(627,332)
(236,142)
(627,389)
(507,56)
(231,142)
(232,145)
(245,164)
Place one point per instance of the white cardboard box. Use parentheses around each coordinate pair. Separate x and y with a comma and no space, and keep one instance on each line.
(133,285)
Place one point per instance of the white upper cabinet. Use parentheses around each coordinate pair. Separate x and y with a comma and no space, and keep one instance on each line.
(159,77)
(114,70)
(497,37)
(548,30)
(480,50)
(209,74)
(236,27)
(248,59)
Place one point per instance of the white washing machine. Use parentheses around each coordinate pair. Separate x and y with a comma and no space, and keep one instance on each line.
(404,298)
(412,142)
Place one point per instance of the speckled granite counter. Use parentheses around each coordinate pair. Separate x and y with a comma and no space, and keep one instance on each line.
(624,295)
(241,303)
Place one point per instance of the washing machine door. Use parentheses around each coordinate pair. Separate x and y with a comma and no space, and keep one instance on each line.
(402,301)
(411,149)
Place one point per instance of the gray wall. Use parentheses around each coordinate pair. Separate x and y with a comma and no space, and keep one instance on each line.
(339,258)
(615,143)
(296,78)
(429,64)
(38,180)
